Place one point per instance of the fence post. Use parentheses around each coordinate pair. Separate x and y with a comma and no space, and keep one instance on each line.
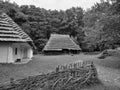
(57,68)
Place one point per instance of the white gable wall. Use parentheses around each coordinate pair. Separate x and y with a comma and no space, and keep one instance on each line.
(19,54)
(24,51)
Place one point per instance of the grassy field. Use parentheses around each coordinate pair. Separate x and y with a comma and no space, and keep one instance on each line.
(39,64)
(108,69)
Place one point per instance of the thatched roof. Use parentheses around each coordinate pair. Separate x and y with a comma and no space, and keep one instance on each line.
(59,42)
(10,31)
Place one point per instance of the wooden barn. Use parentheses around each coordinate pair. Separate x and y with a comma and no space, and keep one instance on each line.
(61,44)
(15,44)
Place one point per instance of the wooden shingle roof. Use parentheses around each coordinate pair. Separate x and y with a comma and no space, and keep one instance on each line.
(10,31)
(59,42)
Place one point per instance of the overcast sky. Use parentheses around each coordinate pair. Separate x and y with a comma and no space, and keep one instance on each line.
(57,4)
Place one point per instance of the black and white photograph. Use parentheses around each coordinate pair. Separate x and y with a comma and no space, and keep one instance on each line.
(59,44)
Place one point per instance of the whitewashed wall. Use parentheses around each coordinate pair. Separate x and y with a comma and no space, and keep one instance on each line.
(30,53)
(5,53)
(21,52)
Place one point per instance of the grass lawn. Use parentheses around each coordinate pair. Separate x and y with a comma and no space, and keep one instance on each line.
(108,69)
(38,65)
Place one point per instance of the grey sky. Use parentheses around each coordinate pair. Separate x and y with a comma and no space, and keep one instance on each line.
(57,4)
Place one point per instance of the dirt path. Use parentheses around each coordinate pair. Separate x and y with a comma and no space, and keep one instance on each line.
(109,76)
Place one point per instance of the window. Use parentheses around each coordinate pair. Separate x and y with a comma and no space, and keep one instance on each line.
(15,51)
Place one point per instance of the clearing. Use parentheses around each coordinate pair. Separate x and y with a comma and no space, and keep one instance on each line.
(108,69)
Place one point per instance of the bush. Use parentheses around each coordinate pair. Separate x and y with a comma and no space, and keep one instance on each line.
(109,52)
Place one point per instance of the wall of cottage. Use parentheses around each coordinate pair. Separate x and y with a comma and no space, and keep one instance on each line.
(5,52)
(24,51)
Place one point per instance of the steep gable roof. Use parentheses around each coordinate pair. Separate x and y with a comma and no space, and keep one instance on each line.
(10,31)
(59,42)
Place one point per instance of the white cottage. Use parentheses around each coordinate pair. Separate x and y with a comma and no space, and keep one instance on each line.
(15,44)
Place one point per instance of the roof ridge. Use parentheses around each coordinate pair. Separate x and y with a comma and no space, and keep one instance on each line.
(60,35)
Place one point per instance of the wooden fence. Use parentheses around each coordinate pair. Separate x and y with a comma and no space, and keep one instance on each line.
(64,77)
(75,65)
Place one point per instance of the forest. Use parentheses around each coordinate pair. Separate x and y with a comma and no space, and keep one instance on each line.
(94,29)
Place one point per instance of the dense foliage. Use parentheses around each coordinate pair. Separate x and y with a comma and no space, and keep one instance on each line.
(94,30)
(102,25)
